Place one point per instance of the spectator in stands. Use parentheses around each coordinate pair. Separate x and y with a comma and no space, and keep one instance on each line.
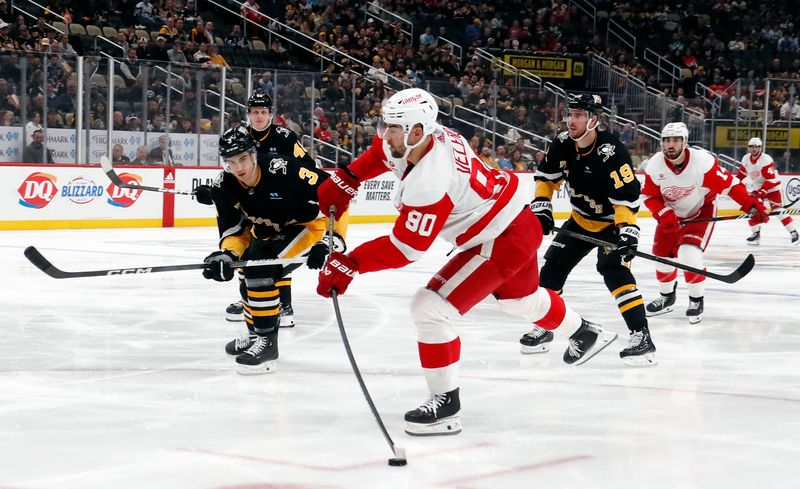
(265,83)
(277,55)
(211,33)
(119,121)
(627,136)
(36,151)
(133,123)
(8,101)
(323,133)
(142,157)
(251,10)
(215,58)
(516,160)
(168,31)
(790,108)
(130,68)
(118,156)
(427,38)
(289,123)
(158,51)
(199,35)
(162,154)
(176,54)
(377,71)
(143,12)
(235,38)
(201,55)
(64,47)
(6,42)
(502,162)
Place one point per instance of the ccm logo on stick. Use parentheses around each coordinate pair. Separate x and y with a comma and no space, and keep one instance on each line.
(127,271)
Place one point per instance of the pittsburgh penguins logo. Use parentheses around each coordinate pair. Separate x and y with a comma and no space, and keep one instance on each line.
(276,165)
(606,151)
(563,136)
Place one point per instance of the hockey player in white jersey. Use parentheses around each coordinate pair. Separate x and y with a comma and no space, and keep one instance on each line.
(682,184)
(759,174)
(447,191)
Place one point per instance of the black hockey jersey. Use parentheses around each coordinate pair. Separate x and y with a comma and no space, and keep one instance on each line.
(598,179)
(285,195)
(282,141)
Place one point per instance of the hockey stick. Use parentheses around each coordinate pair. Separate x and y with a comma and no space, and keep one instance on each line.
(108,168)
(730,278)
(399,458)
(782,212)
(39,261)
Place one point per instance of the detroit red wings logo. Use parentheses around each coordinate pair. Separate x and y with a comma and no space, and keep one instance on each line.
(674,194)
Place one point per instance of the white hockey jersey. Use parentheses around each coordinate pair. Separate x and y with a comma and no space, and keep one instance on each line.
(450,192)
(759,174)
(686,189)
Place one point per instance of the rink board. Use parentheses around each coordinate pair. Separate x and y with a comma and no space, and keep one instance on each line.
(81,196)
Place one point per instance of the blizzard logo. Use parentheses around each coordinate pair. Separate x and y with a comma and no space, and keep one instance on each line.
(81,190)
(124,197)
(128,271)
(37,190)
(674,194)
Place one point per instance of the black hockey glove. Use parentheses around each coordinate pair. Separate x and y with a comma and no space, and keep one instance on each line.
(218,266)
(543,209)
(319,252)
(627,241)
(204,195)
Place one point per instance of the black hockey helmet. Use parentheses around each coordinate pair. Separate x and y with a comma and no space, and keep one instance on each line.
(592,104)
(259,98)
(235,141)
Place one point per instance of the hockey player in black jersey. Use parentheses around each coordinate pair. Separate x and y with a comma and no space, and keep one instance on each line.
(604,194)
(266,208)
(270,138)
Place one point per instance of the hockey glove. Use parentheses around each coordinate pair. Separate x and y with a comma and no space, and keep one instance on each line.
(338,190)
(627,241)
(204,195)
(543,209)
(759,214)
(760,194)
(319,252)
(668,221)
(218,265)
(336,274)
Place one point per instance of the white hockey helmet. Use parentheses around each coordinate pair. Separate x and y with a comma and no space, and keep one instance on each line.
(409,107)
(675,130)
(755,142)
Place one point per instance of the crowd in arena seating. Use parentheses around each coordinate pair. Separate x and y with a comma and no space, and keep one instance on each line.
(713,43)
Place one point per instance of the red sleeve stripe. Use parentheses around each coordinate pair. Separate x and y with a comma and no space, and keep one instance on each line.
(499,204)
(411,253)
(439,355)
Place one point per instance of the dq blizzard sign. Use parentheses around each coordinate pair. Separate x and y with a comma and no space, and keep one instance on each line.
(37,190)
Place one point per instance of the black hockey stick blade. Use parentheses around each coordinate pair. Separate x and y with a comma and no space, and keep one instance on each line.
(39,261)
(730,278)
(108,168)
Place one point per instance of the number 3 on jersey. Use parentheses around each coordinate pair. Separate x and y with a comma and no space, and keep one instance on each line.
(420,223)
(625,172)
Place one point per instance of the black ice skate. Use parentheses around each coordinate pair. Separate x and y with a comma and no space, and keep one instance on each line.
(662,305)
(695,311)
(240,344)
(286,317)
(438,416)
(754,239)
(795,238)
(261,357)
(235,312)
(536,341)
(587,342)
(640,351)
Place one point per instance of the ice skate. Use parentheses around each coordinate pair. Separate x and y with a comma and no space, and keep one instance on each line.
(695,310)
(536,341)
(640,351)
(261,357)
(587,342)
(662,305)
(439,415)
(286,317)
(754,239)
(795,238)
(235,312)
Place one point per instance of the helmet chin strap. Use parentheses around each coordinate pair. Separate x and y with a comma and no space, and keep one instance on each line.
(589,128)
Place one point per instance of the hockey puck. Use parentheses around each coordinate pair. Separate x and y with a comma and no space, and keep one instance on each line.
(397,462)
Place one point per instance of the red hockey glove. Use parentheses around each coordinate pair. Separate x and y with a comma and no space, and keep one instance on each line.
(759,214)
(338,190)
(760,194)
(668,221)
(336,274)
